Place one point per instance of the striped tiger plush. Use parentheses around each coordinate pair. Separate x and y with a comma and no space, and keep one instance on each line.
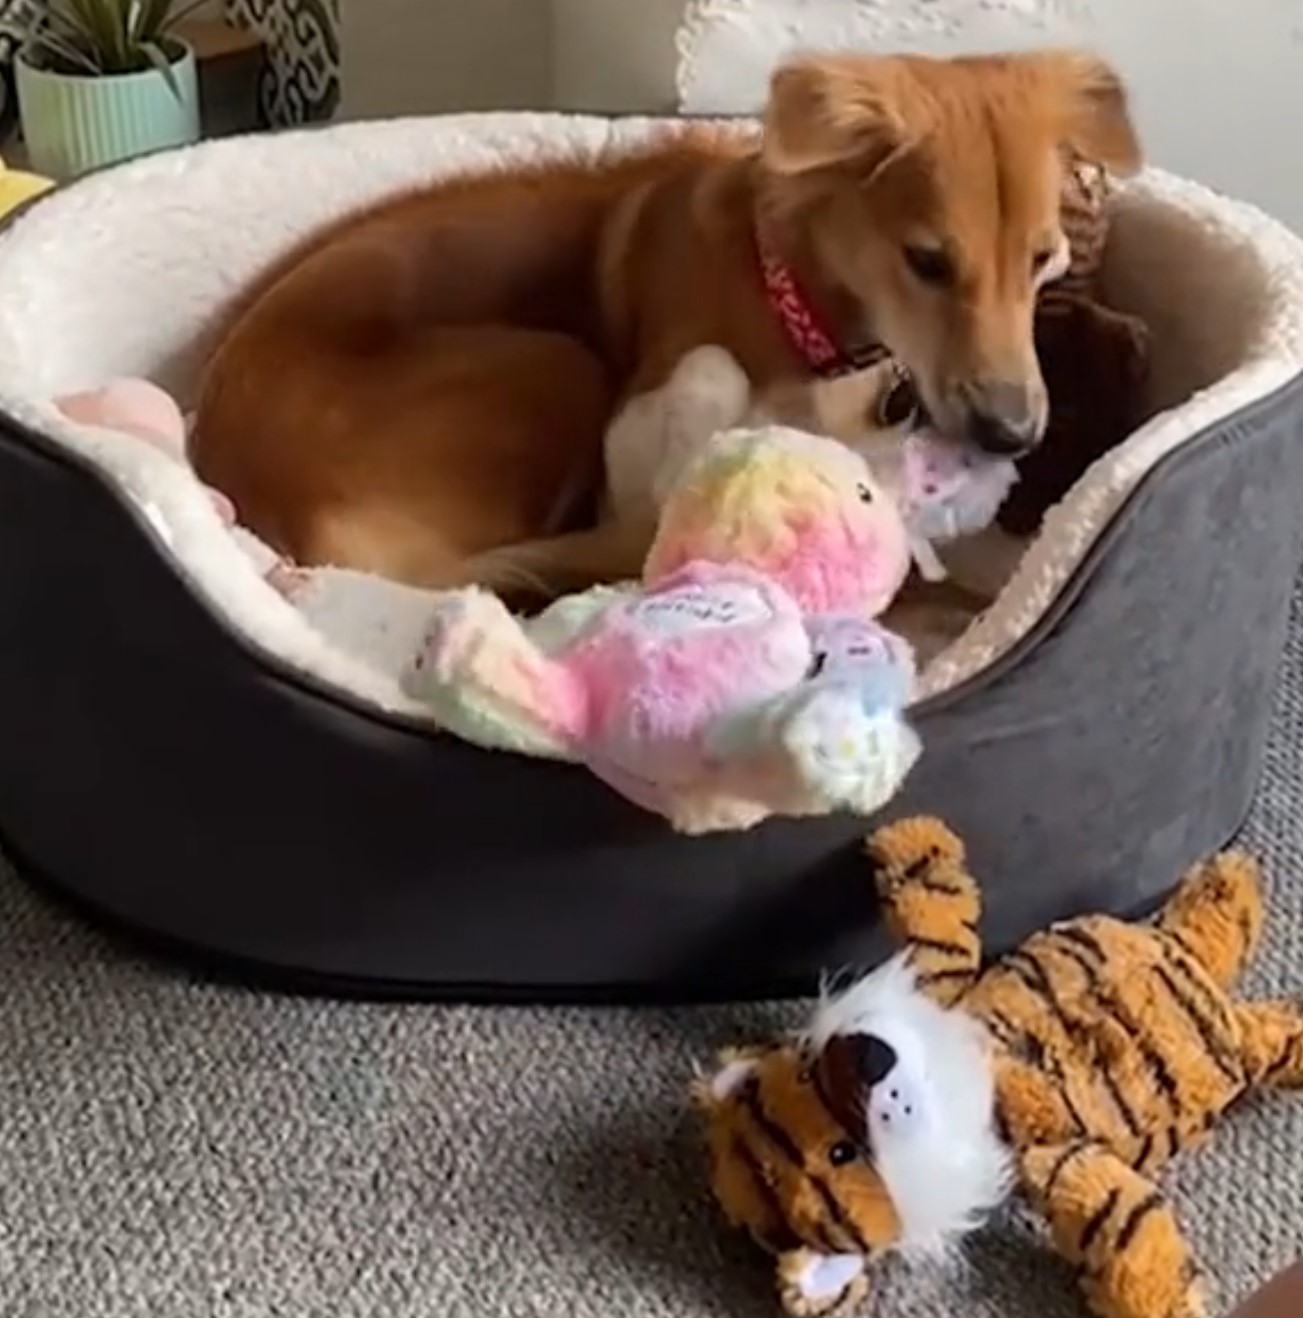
(1070,1071)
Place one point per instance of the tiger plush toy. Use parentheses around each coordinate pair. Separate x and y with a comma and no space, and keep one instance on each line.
(1070,1071)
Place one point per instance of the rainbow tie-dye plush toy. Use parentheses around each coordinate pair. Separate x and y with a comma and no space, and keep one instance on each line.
(745,677)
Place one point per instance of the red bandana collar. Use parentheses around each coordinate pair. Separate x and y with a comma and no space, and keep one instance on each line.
(805,328)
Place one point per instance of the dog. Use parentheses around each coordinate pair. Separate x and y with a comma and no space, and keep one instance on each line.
(656,433)
(872,411)
(422,388)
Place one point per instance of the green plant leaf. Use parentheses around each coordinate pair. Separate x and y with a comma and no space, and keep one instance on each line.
(157,56)
(102,24)
(69,54)
(103,36)
(155,18)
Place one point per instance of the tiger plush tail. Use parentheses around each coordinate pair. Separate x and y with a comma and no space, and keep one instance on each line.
(931,903)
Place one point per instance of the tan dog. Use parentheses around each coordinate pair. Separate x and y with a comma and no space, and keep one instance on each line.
(431,380)
(656,433)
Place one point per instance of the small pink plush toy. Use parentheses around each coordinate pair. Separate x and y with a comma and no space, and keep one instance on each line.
(746,677)
(139,408)
(944,490)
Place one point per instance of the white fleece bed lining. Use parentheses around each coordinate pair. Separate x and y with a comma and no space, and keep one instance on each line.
(120,274)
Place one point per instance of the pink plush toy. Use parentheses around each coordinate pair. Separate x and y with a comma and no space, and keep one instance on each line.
(944,490)
(747,676)
(139,408)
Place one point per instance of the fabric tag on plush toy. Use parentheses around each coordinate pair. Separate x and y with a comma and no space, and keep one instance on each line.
(691,608)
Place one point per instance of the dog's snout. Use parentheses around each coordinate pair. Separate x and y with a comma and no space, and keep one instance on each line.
(1005,420)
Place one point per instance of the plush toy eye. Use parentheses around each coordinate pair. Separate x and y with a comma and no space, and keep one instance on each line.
(842,1152)
(817,664)
(865,493)
(899,406)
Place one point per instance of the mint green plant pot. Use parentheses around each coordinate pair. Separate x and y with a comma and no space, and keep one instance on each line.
(72,123)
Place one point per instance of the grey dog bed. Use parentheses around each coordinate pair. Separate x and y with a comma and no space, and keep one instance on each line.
(187,755)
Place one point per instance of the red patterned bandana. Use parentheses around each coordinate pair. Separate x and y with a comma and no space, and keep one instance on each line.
(805,328)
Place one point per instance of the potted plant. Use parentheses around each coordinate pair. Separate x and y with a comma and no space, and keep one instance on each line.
(11,19)
(100,81)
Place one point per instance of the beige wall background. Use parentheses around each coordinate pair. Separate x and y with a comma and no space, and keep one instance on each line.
(1219,87)
(421,56)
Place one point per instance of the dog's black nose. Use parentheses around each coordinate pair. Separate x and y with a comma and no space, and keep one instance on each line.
(995,436)
(1004,420)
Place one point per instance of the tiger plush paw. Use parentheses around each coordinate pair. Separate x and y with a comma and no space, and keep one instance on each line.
(813,1285)
(1117,1229)
(931,903)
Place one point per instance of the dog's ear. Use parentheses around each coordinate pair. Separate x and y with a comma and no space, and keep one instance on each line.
(1096,108)
(831,110)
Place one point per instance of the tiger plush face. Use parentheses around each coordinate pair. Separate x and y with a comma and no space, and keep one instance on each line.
(872,1131)
(788,1170)
(914,1083)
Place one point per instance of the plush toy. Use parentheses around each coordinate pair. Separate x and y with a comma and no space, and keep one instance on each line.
(143,410)
(943,490)
(1071,1070)
(140,408)
(745,677)
(17,187)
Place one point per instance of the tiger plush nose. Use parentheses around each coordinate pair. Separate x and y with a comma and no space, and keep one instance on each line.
(850,1069)
(872,1059)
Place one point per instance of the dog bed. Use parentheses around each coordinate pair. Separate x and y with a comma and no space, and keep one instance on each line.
(193,758)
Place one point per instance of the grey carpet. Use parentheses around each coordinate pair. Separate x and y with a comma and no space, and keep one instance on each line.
(175,1150)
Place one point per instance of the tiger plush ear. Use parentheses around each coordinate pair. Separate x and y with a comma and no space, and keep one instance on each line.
(732,1067)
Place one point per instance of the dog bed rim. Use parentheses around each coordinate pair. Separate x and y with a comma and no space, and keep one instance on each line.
(1006,657)
(170,952)
(284,670)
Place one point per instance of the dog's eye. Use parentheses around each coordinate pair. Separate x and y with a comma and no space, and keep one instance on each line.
(817,665)
(930,265)
(1041,259)
(865,493)
(842,1152)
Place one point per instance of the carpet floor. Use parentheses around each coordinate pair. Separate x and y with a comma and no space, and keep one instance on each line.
(171,1149)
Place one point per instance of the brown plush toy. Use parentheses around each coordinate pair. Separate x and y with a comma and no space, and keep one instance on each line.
(1095,361)
(1070,1071)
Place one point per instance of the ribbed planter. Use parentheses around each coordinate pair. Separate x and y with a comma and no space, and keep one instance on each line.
(72,124)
